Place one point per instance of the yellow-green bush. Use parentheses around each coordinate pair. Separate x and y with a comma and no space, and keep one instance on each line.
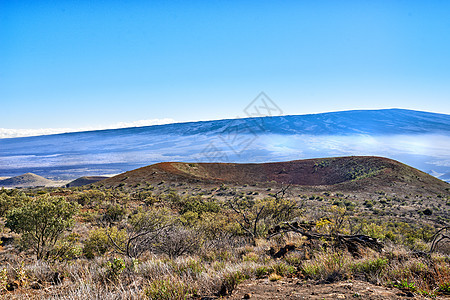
(99,241)
(166,289)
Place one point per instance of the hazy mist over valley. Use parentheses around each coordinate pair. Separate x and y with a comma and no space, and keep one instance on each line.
(416,138)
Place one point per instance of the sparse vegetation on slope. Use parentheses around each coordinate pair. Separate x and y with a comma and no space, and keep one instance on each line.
(167,239)
(347,171)
(28,180)
(85,180)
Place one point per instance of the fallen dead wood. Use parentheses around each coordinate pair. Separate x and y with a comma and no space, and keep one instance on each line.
(440,236)
(352,243)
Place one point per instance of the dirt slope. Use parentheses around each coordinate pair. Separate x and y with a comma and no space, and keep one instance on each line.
(85,180)
(346,172)
(27,180)
(298,289)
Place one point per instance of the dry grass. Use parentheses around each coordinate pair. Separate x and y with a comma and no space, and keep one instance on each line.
(161,277)
(224,257)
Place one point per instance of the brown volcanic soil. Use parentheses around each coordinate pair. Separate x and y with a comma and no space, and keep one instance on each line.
(298,289)
(380,187)
(344,173)
(28,180)
(85,180)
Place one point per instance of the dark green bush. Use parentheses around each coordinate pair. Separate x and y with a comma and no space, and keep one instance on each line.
(42,222)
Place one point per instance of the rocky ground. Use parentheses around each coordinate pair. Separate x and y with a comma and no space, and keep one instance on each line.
(299,289)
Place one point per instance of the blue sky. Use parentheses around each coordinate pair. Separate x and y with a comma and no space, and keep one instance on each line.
(83,64)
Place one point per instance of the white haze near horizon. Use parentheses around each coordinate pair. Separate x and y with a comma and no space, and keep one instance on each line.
(429,149)
(13,133)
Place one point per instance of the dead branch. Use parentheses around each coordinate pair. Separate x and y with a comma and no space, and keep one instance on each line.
(438,237)
(350,241)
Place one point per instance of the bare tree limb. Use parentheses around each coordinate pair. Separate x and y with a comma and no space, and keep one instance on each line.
(435,240)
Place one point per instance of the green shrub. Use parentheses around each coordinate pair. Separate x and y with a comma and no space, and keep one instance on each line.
(444,288)
(198,204)
(283,269)
(10,199)
(252,256)
(294,258)
(88,216)
(368,203)
(88,198)
(114,213)
(165,289)
(148,231)
(99,241)
(371,268)
(405,285)
(66,249)
(261,272)
(42,222)
(373,230)
(114,268)
(327,266)
(190,267)
(231,281)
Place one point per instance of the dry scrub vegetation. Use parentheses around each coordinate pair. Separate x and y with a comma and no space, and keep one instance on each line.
(160,243)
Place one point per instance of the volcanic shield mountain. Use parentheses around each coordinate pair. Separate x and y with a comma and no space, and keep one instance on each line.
(419,139)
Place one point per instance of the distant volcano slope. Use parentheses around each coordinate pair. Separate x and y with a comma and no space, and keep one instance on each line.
(352,170)
(85,180)
(27,180)
(419,139)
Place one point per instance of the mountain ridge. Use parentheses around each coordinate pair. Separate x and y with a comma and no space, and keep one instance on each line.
(420,139)
(27,180)
(85,180)
(188,123)
(355,172)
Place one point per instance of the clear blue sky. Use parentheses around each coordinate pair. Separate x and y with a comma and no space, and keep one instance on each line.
(88,63)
